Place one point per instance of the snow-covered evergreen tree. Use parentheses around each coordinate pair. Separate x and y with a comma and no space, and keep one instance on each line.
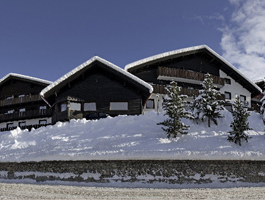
(239,124)
(262,108)
(206,105)
(175,108)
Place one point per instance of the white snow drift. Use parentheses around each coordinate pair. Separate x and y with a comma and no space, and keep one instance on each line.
(130,137)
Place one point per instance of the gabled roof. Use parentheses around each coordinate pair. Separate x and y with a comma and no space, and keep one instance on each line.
(60,82)
(226,66)
(24,77)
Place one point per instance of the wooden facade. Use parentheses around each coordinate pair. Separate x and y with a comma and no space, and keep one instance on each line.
(96,88)
(20,100)
(187,67)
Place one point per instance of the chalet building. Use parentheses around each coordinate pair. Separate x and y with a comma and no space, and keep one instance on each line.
(96,86)
(187,67)
(20,102)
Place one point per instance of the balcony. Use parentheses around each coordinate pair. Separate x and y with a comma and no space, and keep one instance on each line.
(31,114)
(165,73)
(20,100)
(184,91)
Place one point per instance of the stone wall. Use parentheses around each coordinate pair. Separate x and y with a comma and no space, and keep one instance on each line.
(142,171)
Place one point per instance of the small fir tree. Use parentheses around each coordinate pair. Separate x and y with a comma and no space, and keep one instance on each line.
(240,123)
(206,105)
(174,106)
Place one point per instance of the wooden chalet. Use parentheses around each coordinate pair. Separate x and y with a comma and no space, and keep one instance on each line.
(96,86)
(21,104)
(187,67)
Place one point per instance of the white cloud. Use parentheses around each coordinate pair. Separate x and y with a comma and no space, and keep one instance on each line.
(243,40)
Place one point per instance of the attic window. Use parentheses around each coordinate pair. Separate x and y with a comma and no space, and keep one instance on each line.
(118,105)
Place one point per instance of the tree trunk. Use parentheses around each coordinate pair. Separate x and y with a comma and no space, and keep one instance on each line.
(209,122)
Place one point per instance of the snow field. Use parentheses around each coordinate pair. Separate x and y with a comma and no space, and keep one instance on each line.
(131,137)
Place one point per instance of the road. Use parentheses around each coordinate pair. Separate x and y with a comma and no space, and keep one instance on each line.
(31,191)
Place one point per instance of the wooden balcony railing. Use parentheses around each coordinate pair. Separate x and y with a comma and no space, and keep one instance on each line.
(185,74)
(19,100)
(185,91)
(25,115)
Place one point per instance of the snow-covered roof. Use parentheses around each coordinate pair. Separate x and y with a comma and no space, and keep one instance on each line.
(24,77)
(85,64)
(186,50)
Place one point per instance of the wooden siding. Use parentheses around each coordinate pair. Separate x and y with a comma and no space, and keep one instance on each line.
(100,86)
(197,62)
(15,88)
(185,74)
(20,100)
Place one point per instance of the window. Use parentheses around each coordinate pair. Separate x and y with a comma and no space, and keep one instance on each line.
(227,95)
(10,97)
(22,110)
(43,122)
(150,104)
(43,107)
(118,105)
(22,124)
(228,81)
(9,125)
(243,98)
(75,106)
(63,107)
(10,111)
(90,106)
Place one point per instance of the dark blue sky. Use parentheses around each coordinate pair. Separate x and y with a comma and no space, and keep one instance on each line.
(48,38)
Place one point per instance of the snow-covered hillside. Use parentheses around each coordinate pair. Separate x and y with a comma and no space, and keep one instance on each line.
(130,137)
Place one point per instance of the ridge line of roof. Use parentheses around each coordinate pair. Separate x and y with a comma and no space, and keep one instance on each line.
(162,55)
(88,62)
(25,77)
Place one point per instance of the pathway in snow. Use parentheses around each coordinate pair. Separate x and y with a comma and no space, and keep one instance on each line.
(28,191)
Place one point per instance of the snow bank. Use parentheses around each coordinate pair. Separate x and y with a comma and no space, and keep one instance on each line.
(130,137)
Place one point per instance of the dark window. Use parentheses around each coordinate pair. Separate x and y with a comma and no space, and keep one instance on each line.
(228,81)
(150,104)
(9,126)
(243,98)
(43,122)
(227,95)
(22,124)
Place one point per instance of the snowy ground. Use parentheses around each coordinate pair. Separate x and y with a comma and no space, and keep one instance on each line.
(130,137)
(27,191)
